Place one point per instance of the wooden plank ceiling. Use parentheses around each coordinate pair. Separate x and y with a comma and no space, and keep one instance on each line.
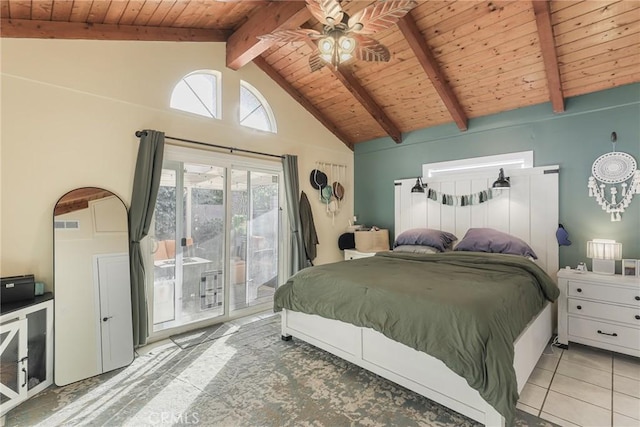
(450,60)
(79,199)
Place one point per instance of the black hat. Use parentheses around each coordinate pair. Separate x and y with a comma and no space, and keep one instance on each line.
(318,179)
(347,241)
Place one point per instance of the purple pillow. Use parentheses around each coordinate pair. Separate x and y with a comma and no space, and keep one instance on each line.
(490,240)
(440,240)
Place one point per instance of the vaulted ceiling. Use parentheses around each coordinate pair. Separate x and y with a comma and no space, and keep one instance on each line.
(450,60)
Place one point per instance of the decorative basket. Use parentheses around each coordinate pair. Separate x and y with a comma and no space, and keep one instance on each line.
(372,241)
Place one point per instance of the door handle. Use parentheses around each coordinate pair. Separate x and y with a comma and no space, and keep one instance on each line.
(104,319)
(23,361)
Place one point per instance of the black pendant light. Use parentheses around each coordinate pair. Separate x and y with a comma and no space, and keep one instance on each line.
(419,187)
(501,183)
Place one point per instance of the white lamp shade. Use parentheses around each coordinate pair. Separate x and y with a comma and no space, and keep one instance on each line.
(604,249)
(604,254)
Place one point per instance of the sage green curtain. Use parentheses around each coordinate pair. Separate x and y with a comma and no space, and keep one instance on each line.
(143,200)
(292,190)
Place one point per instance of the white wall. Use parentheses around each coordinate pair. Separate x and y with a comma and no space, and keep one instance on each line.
(69,110)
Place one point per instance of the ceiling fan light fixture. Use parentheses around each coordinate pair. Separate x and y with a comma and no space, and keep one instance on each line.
(336,47)
(344,57)
(346,44)
(344,37)
(325,46)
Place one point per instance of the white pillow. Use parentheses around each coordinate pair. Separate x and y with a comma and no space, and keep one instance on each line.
(416,249)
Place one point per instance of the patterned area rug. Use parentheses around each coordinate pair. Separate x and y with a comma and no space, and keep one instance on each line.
(247,376)
(199,336)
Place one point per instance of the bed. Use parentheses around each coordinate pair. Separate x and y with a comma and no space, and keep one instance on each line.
(367,335)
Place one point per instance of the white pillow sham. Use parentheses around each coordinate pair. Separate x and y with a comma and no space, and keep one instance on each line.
(416,249)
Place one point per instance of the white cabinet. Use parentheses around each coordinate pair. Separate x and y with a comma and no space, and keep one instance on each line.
(26,350)
(350,254)
(599,310)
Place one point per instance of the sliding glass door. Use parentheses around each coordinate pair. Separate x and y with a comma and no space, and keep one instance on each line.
(254,237)
(188,247)
(215,240)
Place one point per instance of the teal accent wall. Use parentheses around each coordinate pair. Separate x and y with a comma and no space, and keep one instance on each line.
(572,140)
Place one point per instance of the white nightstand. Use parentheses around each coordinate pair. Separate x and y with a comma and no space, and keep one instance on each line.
(353,254)
(600,311)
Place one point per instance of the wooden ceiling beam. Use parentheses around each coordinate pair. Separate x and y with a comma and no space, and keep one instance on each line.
(362,96)
(25,28)
(549,56)
(418,45)
(244,45)
(284,84)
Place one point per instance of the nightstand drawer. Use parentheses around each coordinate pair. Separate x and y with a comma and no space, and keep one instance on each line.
(604,332)
(628,296)
(353,254)
(605,311)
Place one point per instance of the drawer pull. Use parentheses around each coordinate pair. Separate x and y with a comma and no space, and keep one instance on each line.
(579,289)
(637,316)
(604,333)
(637,298)
(579,307)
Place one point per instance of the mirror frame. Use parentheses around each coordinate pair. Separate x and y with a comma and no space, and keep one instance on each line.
(71,364)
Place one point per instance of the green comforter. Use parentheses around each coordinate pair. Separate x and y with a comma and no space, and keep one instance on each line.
(463,308)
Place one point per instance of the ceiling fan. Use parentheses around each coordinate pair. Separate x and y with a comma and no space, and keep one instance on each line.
(345,37)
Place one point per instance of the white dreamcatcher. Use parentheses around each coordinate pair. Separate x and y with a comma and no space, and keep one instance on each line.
(614,168)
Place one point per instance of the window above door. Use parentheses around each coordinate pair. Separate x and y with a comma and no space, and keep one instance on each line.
(199,93)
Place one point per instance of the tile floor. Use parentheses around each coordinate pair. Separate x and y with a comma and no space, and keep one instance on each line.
(584,386)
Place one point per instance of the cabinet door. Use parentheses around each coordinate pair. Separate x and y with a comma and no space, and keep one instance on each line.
(40,347)
(13,364)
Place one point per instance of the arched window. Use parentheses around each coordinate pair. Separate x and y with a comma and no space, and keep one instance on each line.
(255,111)
(199,93)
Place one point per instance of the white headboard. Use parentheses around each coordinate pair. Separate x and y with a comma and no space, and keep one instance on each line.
(529,210)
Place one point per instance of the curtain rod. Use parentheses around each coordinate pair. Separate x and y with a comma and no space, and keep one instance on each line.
(140,133)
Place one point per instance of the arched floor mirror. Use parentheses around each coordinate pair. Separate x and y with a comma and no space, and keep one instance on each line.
(93,324)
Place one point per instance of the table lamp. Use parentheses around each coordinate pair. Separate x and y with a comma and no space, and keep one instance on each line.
(604,253)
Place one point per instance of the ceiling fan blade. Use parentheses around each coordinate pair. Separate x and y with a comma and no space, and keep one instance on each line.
(328,12)
(380,16)
(287,36)
(368,49)
(315,62)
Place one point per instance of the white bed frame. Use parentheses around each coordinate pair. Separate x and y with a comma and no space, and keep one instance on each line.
(529,210)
